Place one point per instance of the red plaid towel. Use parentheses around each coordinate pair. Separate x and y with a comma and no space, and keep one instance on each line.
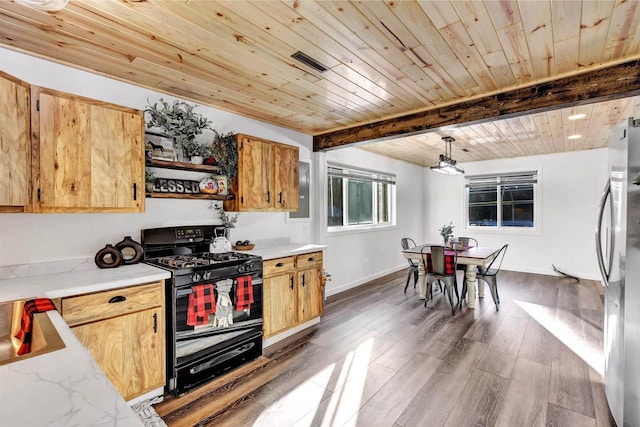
(244,293)
(449,265)
(31,307)
(202,303)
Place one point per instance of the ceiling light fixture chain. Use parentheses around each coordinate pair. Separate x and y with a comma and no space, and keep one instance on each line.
(446,165)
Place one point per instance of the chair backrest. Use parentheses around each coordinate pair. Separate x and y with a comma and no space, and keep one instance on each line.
(407,243)
(465,241)
(438,260)
(491,270)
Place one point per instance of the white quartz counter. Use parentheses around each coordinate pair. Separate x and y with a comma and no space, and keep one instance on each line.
(64,387)
(278,248)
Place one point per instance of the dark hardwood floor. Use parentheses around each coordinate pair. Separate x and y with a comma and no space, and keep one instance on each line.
(380,358)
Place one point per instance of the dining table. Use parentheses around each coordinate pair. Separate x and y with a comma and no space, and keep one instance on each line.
(472,257)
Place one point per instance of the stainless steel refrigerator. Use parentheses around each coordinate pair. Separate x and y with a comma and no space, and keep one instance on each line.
(618,252)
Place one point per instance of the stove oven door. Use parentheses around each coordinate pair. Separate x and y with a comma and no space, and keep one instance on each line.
(194,315)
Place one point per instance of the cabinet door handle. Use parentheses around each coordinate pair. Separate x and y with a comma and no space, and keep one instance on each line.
(116,299)
(291,282)
(135,191)
(303,274)
(280,197)
(280,264)
(155,323)
(269,196)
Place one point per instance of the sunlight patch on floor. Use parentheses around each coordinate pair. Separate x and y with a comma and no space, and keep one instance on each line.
(347,397)
(568,328)
(314,403)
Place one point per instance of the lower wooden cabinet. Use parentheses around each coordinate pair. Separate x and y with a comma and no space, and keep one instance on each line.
(293,291)
(124,330)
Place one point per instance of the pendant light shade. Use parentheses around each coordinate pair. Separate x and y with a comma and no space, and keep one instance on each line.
(445,164)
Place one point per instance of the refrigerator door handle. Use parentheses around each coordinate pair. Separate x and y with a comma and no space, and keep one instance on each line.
(603,201)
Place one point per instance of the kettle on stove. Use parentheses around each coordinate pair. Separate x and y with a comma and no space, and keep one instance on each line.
(220,243)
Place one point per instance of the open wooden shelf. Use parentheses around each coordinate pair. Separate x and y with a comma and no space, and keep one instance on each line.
(155,163)
(200,196)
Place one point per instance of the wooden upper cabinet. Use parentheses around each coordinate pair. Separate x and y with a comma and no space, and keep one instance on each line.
(15,145)
(286,181)
(267,176)
(88,155)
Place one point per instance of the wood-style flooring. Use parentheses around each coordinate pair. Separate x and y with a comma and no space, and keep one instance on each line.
(380,358)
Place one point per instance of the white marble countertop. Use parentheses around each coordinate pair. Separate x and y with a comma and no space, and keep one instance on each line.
(278,248)
(64,387)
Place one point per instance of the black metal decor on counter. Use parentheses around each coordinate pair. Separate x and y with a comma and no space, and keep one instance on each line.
(125,252)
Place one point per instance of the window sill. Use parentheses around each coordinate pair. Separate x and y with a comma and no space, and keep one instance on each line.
(505,230)
(340,231)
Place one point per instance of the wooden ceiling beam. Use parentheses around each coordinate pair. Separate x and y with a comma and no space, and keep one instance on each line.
(613,82)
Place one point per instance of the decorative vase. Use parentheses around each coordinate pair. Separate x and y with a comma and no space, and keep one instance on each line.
(196,160)
(149,186)
(179,153)
(130,249)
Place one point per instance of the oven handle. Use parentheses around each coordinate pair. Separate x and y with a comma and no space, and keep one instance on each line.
(184,290)
(236,351)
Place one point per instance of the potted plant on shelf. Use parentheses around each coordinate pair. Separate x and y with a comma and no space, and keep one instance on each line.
(178,121)
(150,180)
(224,149)
(197,152)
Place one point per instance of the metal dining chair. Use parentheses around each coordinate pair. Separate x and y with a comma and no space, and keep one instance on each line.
(441,268)
(489,273)
(467,241)
(407,243)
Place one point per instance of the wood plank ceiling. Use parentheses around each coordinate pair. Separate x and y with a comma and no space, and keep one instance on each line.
(384,59)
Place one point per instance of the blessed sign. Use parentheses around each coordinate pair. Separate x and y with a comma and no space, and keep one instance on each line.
(184,186)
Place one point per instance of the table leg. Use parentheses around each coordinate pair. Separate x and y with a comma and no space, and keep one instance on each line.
(470,277)
(422,283)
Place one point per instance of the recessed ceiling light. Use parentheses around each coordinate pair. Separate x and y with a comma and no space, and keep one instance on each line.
(577,116)
(574,136)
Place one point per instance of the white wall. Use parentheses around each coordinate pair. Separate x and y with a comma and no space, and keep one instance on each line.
(26,238)
(353,258)
(572,184)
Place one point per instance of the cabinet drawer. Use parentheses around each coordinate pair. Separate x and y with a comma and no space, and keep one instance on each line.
(111,303)
(312,259)
(274,267)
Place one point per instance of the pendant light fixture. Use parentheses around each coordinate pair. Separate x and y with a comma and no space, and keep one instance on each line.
(445,163)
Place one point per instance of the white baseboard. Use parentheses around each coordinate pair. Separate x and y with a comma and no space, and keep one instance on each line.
(546,271)
(356,283)
(286,334)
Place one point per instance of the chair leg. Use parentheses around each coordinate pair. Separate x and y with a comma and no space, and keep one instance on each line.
(415,278)
(493,287)
(408,279)
(448,289)
(429,293)
(463,294)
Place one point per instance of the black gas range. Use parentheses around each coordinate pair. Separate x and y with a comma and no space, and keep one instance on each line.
(213,304)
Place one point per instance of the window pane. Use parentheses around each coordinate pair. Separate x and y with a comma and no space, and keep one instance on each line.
(334,202)
(517,205)
(483,206)
(360,202)
(383,202)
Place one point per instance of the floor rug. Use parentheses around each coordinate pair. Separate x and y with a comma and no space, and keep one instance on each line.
(149,417)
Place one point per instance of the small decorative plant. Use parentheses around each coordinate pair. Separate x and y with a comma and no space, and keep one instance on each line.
(150,179)
(447,231)
(228,221)
(192,148)
(224,150)
(178,120)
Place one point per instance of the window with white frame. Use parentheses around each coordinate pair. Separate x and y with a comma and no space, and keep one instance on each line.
(506,201)
(359,198)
